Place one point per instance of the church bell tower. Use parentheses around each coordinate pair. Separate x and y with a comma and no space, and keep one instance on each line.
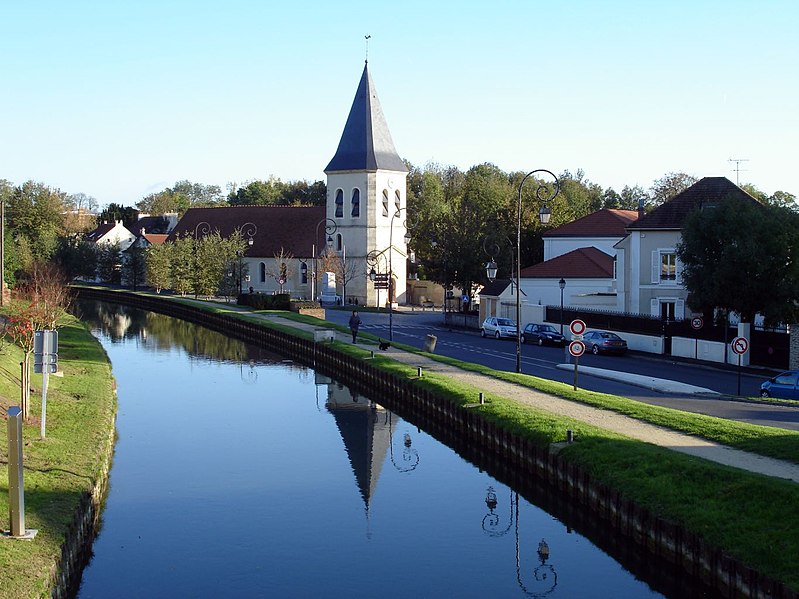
(366,198)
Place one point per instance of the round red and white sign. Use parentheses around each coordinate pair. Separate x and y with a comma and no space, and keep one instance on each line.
(577,348)
(697,322)
(577,327)
(740,345)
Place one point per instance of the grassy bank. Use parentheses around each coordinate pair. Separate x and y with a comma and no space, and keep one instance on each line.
(751,517)
(62,468)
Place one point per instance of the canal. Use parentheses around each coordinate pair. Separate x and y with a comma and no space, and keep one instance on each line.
(239,474)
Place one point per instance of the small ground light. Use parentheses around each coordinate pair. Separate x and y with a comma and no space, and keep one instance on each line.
(482,398)
(569,436)
(419,372)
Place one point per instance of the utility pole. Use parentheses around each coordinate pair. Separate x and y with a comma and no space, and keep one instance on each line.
(737,168)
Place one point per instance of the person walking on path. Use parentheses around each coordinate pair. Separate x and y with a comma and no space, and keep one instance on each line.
(355,322)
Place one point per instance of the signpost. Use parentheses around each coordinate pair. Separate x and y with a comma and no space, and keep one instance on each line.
(45,361)
(740,345)
(576,347)
(696,324)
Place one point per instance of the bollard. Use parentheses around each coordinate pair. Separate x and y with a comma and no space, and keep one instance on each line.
(419,372)
(16,487)
(482,398)
(569,436)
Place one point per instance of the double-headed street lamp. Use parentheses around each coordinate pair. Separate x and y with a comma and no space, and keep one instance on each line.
(544,195)
(391,270)
(330,228)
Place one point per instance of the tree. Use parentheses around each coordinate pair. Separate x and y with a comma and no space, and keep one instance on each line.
(159,266)
(134,266)
(163,202)
(282,269)
(109,263)
(34,220)
(114,212)
(742,257)
(76,257)
(668,186)
(275,192)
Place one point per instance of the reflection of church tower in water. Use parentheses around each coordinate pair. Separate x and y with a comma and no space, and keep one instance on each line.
(366,188)
(365,429)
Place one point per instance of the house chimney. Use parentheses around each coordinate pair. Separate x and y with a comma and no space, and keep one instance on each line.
(640,207)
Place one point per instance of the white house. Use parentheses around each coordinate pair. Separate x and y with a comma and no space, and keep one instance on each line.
(111,233)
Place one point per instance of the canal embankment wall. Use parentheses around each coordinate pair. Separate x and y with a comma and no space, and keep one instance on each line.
(466,431)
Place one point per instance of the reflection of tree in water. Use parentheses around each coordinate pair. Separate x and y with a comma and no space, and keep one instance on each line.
(159,332)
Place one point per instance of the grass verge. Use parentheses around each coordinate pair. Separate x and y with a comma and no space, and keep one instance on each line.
(62,467)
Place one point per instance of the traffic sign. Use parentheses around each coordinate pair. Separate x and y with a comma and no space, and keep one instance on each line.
(577,327)
(577,348)
(740,345)
(697,322)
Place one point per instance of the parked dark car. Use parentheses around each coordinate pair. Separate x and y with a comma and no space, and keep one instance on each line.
(783,386)
(604,342)
(541,334)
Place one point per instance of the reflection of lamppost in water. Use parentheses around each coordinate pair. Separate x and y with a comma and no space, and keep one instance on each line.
(410,457)
(251,376)
(492,520)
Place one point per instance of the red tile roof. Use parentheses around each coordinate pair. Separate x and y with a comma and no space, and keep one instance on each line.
(582,263)
(708,191)
(290,228)
(155,238)
(608,222)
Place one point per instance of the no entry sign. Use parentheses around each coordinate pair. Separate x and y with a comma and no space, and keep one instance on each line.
(577,327)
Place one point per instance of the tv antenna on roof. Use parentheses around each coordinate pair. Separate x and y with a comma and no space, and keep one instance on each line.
(737,168)
(367,38)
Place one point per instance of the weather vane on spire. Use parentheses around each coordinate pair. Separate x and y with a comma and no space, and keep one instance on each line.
(367,38)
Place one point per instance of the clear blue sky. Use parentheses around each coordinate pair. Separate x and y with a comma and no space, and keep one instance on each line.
(120,99)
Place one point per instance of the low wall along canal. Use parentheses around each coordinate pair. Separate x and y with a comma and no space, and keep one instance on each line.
(640,538)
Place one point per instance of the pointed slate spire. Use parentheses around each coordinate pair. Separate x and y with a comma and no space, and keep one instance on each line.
(366,142)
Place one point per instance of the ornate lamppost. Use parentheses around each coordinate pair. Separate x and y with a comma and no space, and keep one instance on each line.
(203,228)
(562,285)
(248,230)
(544,195)
(330,228)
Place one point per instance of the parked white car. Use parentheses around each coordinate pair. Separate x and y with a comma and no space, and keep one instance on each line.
(496,327)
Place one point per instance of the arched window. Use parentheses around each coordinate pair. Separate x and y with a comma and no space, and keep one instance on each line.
(339,203)
(385,202)
(262,272)
(339,242)
(397,201)
(303,273)
(356,203)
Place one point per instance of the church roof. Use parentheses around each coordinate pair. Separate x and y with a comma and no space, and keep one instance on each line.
(366,143)
(288,228)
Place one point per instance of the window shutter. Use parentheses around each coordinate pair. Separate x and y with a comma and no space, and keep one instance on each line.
(654,307)
(655,267)
(679,309)
(677,270)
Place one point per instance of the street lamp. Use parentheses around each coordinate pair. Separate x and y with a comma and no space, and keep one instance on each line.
(247,230)
(330,228)
(204,228)
(544,195)
(562,285)
(391,271)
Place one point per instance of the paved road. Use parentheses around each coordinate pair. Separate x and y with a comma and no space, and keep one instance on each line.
(412,328)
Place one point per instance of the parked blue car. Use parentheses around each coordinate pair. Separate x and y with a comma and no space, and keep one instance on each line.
(783,386)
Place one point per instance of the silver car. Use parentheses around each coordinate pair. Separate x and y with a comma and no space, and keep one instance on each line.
(497,327)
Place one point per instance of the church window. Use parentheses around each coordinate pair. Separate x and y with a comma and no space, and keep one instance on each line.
(262,272)
(356,203)
(397,202)
(303,273)
(339,242)
(339,203)
(385,202)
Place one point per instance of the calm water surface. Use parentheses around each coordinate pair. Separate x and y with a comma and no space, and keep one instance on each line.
(239,475)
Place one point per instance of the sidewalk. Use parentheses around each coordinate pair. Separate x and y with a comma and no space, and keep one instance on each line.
(604,419)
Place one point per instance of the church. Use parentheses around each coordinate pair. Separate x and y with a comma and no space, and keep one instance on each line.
(359,232)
